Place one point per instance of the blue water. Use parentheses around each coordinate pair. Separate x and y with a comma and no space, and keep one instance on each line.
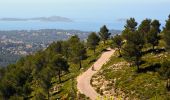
(84,26)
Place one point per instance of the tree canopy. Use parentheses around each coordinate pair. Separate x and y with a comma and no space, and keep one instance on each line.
(93,40)
(104,33)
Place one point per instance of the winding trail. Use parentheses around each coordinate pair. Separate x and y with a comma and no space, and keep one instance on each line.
(83,80)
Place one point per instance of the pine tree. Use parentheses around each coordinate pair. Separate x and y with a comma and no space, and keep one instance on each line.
(118,43)
(77,50)
(164,72)
(59,64)
(104,33)
(145,25)
(144,28)
(132,51)
(152,37)
(131,26)
(132,54)
(167,34)
(92,41)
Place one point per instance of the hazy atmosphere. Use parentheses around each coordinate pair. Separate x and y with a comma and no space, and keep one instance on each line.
(82,14)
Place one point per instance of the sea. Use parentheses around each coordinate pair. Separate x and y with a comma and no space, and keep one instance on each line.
(76,25)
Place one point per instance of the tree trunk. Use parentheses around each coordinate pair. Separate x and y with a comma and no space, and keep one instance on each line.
(104,42)
(167,84)
(59,77)
(138,67)
(137,64)
(153,47)
(94,50)
(120,55)
(66,54)
(48,95)
(80,64)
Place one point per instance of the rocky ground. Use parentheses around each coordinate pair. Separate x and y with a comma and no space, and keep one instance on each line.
(106,87)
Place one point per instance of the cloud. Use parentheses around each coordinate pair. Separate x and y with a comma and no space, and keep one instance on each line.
(121,19)
(44,19)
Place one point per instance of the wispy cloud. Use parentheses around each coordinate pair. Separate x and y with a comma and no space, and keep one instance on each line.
(44,19)
(121,19)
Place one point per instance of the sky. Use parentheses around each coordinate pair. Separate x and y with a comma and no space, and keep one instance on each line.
(98,11)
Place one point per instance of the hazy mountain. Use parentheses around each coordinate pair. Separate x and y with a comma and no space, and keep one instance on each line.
(113,32)
(47,19)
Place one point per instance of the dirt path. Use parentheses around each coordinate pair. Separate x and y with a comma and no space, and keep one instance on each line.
(83,80)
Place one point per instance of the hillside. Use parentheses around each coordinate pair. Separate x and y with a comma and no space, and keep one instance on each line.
(15,44)
(120,80)
(139,68)
(51,73)
(85,50)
